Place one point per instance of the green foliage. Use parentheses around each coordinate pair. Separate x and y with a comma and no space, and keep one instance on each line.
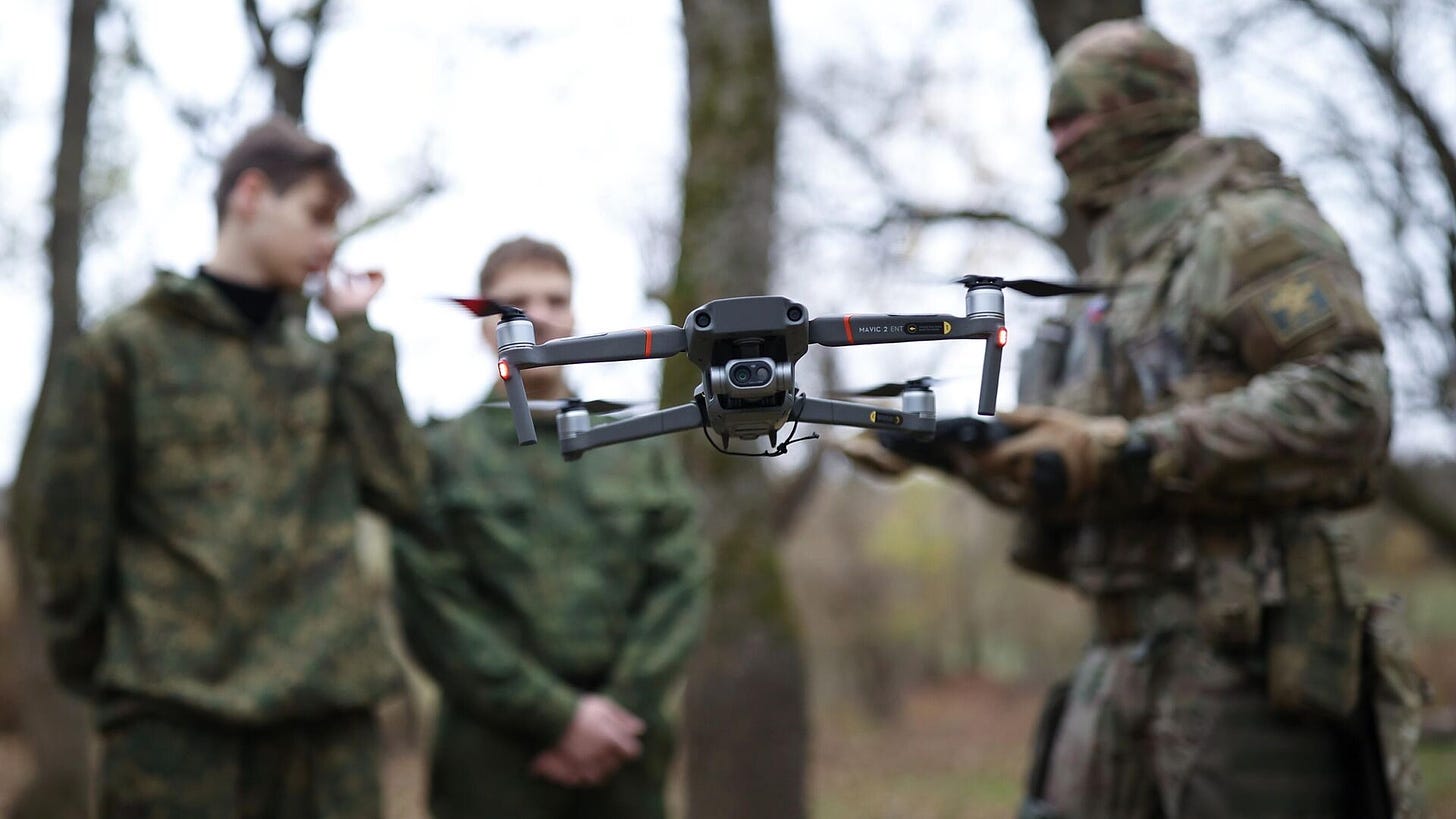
(1438,766)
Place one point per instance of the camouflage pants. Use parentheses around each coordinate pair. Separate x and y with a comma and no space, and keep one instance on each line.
(1180,732)
(180,767)
(481,773)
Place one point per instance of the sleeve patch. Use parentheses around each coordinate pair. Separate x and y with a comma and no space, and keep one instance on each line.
(1296,306)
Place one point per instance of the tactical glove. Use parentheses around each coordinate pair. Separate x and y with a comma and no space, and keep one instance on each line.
(1087,446)
(955,449)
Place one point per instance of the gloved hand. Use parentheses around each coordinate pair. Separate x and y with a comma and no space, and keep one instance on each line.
(1086,445)
(953,450)
(890,453)
(866,451)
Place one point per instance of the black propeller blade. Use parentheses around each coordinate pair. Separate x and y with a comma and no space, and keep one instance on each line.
(891,389)
(480,308)
(1036,287)
(553,405)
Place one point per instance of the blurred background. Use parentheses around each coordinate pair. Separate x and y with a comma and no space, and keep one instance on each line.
(863,154)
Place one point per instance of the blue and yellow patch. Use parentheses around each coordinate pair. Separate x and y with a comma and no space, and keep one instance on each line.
(1296,306)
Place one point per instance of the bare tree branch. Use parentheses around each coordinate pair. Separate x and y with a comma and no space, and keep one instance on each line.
(1385,63)
(424,188)
(290,79)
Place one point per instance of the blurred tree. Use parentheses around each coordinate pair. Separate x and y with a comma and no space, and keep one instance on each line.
(53,724)
(746,723)
(1058,21)
(285,49)
(287,63)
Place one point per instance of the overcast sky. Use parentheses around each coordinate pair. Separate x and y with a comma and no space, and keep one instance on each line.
(571,131)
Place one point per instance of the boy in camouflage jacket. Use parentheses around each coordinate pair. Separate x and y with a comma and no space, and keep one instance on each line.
(191,515)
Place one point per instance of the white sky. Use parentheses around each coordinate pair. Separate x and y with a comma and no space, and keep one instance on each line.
(574,135)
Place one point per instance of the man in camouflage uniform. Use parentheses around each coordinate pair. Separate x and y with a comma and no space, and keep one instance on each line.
(555,603)
(191,516)
(1226,391)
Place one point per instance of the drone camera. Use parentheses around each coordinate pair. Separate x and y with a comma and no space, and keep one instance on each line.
(752,377)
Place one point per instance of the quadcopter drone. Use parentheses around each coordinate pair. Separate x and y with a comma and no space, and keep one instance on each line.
(747,348)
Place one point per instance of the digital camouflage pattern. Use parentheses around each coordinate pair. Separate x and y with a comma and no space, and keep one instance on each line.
(194,508)
(1227,660)
(1139,93)
(537,580)
(169,767)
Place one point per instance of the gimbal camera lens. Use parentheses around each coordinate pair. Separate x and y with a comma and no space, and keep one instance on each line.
(750,374)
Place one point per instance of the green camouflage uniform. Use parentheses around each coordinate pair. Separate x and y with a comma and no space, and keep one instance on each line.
(538,580)
(1226,666)
(192,536)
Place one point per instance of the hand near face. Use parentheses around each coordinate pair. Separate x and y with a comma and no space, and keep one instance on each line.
(350,294)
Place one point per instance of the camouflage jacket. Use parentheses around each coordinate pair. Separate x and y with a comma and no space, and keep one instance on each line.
(537,580)
(1239,343)
(194,500)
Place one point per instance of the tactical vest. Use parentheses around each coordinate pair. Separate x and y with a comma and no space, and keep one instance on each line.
(1276,578)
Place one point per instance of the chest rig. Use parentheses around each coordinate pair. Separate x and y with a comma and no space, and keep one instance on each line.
(1271,580)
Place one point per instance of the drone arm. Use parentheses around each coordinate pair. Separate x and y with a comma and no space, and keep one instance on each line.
(865,416)
(625,345)
(662,422)
(848,330)
(520,407)
(990,375)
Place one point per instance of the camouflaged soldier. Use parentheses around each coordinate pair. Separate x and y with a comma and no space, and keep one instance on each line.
(1225,393)
(192,515)
(555,603)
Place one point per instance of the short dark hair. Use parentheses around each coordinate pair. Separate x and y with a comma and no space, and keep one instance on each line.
(286,155)
(515,251)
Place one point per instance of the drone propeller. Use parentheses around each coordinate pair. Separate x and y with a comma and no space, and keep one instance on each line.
(554,405)
(480,308)
(1036,287)
(892,388)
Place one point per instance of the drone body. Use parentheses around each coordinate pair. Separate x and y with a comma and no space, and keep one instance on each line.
(747,349)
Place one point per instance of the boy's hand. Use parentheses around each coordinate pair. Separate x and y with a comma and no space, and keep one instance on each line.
(349,294)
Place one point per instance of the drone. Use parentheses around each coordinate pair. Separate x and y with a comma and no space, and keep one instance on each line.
(747,348)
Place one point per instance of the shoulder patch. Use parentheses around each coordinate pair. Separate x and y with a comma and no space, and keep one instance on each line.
(1295,306)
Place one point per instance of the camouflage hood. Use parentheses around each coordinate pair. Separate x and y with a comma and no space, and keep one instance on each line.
(1132,92)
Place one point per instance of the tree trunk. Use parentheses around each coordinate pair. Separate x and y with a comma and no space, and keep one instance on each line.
(1058,21)
(746,718)
(54,725)
(289,78)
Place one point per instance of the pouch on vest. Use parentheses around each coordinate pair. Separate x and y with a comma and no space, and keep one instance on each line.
(1043,363)
(1229,587)
(1314,636)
